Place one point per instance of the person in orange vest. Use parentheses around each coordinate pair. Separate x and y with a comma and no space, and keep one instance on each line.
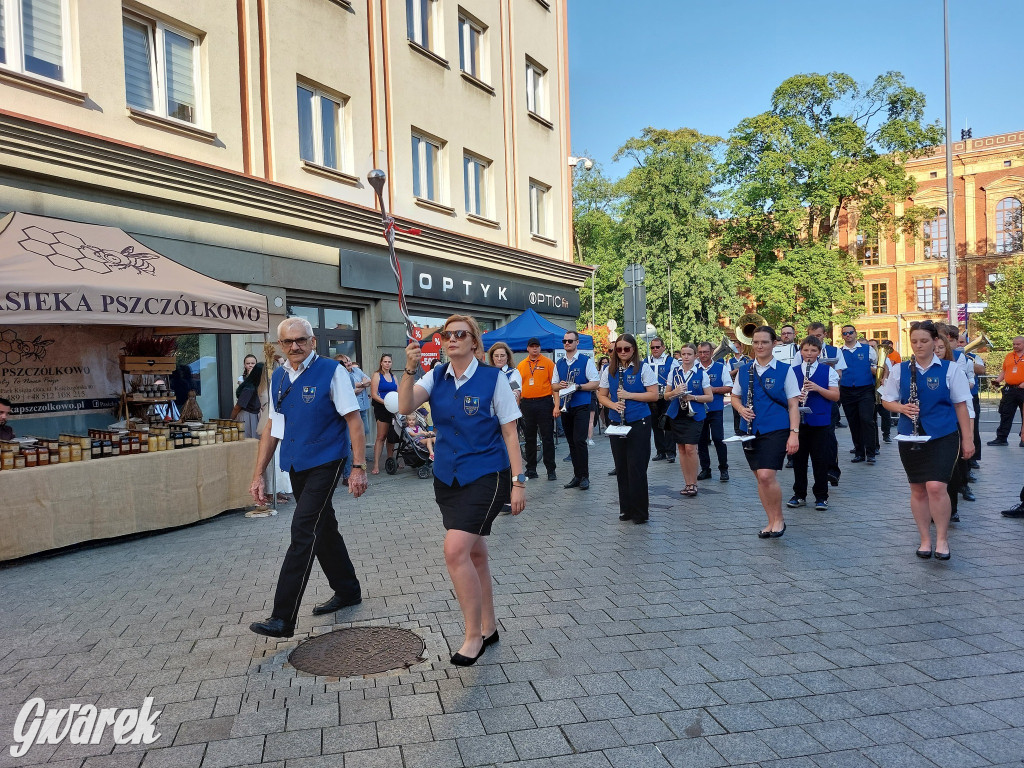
(540,407)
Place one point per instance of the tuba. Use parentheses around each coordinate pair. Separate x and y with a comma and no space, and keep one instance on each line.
(724,349)
(746,326)
(981,341)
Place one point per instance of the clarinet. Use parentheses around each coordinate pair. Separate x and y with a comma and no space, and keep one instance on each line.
(913,400)
(750,398)
(806,394)
(620,392)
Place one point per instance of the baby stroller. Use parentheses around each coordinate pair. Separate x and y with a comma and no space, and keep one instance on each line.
(412,453)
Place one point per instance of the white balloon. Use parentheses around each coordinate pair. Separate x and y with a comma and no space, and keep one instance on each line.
(391,401)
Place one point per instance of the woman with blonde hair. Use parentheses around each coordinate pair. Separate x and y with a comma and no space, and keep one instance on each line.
(500,356)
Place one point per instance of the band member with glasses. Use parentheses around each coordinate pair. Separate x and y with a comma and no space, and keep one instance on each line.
(713,428)
(579,369)
(734,364)
(689,394)
(829,353)
(382,382)
(958,481)
(786,349)
(314,416)
(627,387)
(856,368)
(540,407)
(819,389)
(766,395)
(663,364)
(500,356)
(477,467)
(931,396)
(977,363)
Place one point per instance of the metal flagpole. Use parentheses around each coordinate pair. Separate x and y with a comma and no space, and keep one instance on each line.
(671,338)
(952,294)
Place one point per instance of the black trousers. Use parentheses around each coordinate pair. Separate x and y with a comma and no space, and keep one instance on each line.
(314,534)
(632,456)
(537,415)
(664,442)
(976,401)
(1010,405)
(736,422)
(713,429)
(956,483)
(576,423)
(885,417)
(816,444)
(859,405)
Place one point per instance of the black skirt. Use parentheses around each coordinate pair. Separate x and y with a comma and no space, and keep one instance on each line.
(381,413)
(934,461)
(686,430)
(473,507)
(767,450)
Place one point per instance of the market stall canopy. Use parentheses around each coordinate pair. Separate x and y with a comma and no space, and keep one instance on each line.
(531,325)
(54,271)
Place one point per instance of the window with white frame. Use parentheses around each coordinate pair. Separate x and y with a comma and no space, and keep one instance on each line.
(925,294)
(539,216)
(1009,226)
(936,240)
(426,168)
(321,127)
(161,69)
(536,96)
(471,43)
(421,22)
(944,293)
(34,39)
(475,173)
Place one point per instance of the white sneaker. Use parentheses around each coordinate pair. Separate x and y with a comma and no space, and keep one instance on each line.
(590,442)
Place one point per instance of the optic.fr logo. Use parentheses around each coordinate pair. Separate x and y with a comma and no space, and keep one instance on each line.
(82,724)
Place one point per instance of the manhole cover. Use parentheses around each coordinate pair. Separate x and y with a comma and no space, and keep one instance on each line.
(359,651)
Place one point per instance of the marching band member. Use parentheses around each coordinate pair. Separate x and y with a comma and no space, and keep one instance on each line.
(626,388)
(580,370)
(829,352)
(856,369)
(765,394)
(689,395)
(500,356)
(734,364)
(786,350)
(978,364)
(819,388)
(713,429)
(931,396)
(958,480)
(663,364)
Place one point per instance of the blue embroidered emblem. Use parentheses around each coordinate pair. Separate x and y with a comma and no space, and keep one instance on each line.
(308,394)
(471,405)
(932,382)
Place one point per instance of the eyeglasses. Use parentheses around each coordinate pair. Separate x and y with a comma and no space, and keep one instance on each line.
(656,346)
(568,341)
(623,349)
(301,341)
(849,333)
(447,335)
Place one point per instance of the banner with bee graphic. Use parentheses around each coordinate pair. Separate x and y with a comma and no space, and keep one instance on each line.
(56,370)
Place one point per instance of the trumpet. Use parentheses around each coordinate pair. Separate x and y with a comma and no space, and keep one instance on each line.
(569,390)
(679,379)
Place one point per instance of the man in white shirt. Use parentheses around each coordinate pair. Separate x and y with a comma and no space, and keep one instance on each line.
(856,368)
(576,416)
(786,351)
(663,364)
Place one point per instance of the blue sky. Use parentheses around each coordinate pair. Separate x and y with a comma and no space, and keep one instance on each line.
(706,64)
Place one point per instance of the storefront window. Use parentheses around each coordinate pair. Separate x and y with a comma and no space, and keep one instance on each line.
(336,330)
(429,321)
(197,370)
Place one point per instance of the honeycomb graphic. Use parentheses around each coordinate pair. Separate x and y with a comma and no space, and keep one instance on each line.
(10,347)
(63,250)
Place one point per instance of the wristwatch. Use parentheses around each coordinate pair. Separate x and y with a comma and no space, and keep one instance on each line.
(359,466)
(520,478)
(795,431)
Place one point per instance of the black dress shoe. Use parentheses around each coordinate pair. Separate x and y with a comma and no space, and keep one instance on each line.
(612,473)
(568,458)
(1017,511)
(723,476)
(704,474)
(552,475)
(871,459)
(971,477)
(853,450)
(789,463)
(973,464)
(624,518)
(640,520)
(465,661)
(856,459)
(336,603)
(997,442)
(954,517)
(833,480)
(659,457)
(886,439)
(532,475)
(584,483)
(491,639)
(572,483)
(968,494)
(273,628)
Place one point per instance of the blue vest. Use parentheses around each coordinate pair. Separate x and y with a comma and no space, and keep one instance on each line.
(830,352)
(957,354)
(662,370)
(580,366)
(736,362)
(715,371)
(821,409)
(771,407)
(314,433)
(469,441)
(938,414)
(858,367)
(635,409)
(694,386)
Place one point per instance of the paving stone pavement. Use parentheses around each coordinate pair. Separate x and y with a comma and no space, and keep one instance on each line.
(688,642)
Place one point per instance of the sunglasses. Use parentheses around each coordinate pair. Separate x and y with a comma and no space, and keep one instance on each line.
(623,349)
(568,341)
(301,341)
(656,346)
(849,333)
(447,335)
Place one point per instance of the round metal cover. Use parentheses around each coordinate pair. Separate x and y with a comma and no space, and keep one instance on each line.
(359,651)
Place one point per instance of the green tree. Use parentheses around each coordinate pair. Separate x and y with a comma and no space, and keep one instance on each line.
(597,232)
(1001,320)
(667,208)
(826,145)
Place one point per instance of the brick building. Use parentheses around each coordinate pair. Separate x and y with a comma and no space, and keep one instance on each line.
(905,279)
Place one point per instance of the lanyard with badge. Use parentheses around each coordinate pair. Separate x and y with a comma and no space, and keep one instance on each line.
(533,368)
(1016,361)
(277,421)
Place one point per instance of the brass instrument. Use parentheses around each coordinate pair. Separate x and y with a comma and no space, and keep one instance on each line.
(677,380)
(726,347)
(981,341)
(571,382)
(746,326)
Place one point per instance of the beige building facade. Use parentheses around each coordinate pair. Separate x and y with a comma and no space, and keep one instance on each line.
(235,136)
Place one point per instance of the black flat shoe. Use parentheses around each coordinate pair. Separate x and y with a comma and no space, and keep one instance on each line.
(997,442)
(968,494)
(624,518)
(924,554)
(491,639)
(764,534)
(584,483)
(640,520)
(942,555)
(723,476)
(778,534)
(871,459)
(273,628)
(659,457)
(574,483)
(856,459)
(465,661)
(336,603)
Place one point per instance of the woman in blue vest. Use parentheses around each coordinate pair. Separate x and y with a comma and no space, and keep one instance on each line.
(765,395)
(477,467)
(382,382)
(627,386)
(500,356)
(819,390)
(931,395)
(689,385)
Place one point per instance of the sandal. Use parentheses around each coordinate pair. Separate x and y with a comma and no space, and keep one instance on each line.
(689,490)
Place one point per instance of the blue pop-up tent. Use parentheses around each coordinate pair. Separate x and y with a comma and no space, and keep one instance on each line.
(530,325)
